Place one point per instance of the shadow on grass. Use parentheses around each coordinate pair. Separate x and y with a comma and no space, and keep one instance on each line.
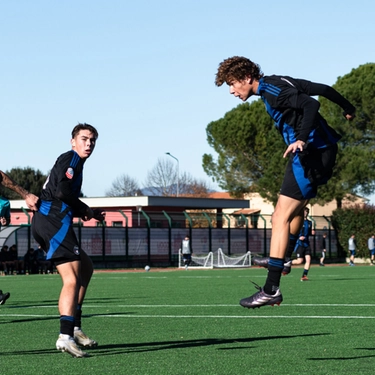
(113,349)
(345,358)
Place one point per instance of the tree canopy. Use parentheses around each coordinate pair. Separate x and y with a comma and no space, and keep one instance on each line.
(250,149)
(29,178)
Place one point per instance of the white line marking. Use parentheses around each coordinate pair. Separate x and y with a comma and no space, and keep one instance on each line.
(204,316)
(213,305)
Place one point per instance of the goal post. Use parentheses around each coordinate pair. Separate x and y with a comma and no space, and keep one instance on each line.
(217,259)
(197,261)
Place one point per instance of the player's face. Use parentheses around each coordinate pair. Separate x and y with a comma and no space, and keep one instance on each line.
(241,89)
(84,143)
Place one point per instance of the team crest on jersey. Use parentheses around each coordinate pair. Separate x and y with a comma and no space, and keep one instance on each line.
(76,250)
(69,173)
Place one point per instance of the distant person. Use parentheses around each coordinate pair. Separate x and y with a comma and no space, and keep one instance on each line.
(52,228)
(31,262)
(14,263)
(303,249)
(371,249)
(186,251)
(324,250)
(352,248)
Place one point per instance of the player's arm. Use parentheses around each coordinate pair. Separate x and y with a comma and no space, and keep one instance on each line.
(30,199)
(331,94)
(66,193)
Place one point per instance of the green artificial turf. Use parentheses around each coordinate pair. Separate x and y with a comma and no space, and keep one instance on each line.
(189,322)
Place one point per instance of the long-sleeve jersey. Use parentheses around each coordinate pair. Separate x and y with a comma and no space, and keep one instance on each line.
(306,231)
(288,101)
(63,186)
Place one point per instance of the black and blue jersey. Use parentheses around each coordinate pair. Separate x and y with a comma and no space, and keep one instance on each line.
(288,101)
(63,186)
(52,224)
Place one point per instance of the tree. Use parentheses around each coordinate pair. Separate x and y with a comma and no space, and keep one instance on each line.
(354,171)
(124,186)
(29,178)
(162,180)
(250,149)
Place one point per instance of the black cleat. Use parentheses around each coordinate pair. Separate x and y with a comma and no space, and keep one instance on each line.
(3,297)
(260,262)
(261,298)
(263,262)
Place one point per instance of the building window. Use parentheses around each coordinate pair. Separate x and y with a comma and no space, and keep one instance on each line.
(117,223)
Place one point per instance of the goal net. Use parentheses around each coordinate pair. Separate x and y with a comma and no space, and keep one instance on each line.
(217,259)
(197,261)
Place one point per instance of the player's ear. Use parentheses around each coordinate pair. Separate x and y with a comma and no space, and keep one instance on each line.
(73,142)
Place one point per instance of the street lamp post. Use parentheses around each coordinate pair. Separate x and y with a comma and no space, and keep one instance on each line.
(178,169)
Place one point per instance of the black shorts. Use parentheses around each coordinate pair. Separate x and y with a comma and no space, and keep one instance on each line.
(307,170)
(54,233)
(302,251)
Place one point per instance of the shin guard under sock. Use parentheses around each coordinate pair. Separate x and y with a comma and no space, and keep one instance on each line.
(292,244)
(275,267)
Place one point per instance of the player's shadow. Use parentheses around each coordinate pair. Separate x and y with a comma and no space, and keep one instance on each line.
(112,349)
(349,358)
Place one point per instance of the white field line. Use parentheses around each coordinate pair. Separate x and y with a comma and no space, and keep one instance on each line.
(87,306)
(204,316)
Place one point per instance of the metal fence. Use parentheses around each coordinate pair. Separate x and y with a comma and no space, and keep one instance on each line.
(157,242)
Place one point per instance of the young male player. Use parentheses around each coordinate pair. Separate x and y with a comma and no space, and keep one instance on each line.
(31,202)
(311,147)
(52,229)
(303,249)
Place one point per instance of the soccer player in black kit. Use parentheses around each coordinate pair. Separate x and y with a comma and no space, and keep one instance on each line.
(52,229)
(311,148)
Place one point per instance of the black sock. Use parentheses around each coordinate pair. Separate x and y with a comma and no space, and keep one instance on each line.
(275,267)
(292,244)
(78,316)
(305,272)
(67,325)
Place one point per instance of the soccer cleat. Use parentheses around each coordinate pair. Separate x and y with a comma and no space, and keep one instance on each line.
(287,268)
(304,278)
(83,340)
(263,262)
(3,297)
(261,298)
(66,343)
(260,262)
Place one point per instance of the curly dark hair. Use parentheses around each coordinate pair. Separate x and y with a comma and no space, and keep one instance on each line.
(237,68)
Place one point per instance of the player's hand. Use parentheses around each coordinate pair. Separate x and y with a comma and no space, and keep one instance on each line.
(99,214)
(4,221)
(32,201)
(349,117)
(88,215)
(293,147)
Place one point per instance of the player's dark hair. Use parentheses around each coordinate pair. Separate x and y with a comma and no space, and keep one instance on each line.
(237,68)
(84,126)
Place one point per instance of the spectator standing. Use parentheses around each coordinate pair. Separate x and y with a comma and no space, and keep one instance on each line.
(371,248)
(324,250)
(352,247)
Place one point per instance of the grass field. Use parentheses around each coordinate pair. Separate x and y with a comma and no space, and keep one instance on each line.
(189,322)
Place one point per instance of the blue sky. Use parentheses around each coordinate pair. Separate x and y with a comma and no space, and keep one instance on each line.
(143,72)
